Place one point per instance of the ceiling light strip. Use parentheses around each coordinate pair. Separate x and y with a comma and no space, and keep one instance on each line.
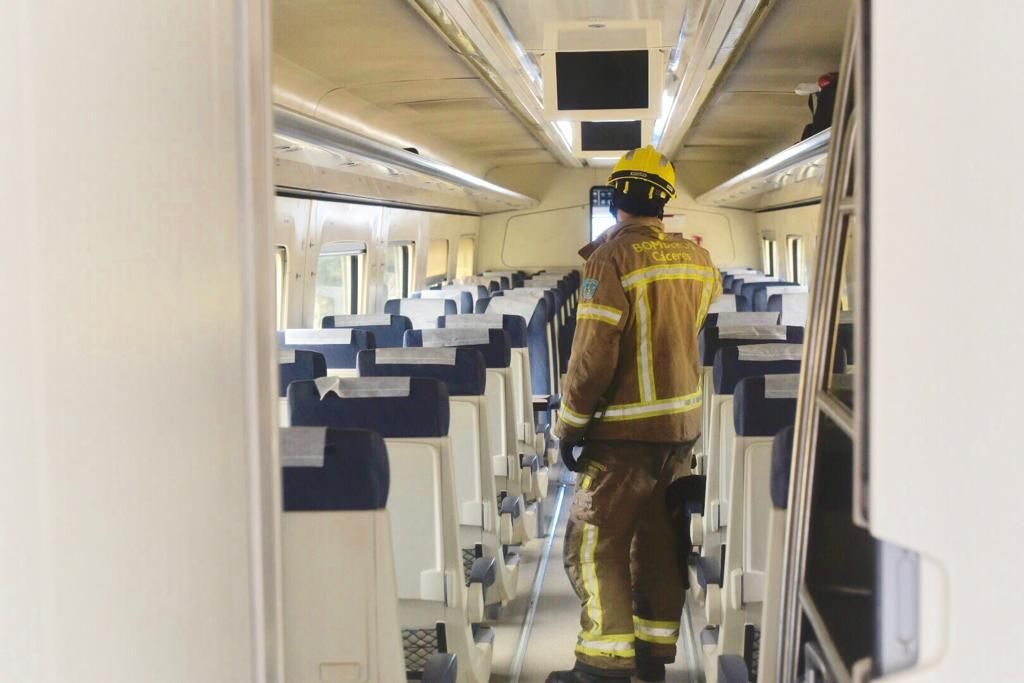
(789,165)
(310,131)
(480,33)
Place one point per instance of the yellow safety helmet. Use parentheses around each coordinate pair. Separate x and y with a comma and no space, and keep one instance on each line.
(644,174)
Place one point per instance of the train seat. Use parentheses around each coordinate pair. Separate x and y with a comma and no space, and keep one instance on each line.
(730,303)
(763,294)
(412,414)
(518,474)
(751,291)
(792,307)
(388,330)
(736,286)
(732,364)
(422,313)
(338,346)
(771,609)
(741,319)
(713,339)
(522,384)
(489,284)
(335,485)
(484,530)
(534,311)
(463,298)
(476,292)
(293,365)
(763,406)
(551,322)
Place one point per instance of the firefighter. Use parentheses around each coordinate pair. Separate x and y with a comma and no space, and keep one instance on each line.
(632,400)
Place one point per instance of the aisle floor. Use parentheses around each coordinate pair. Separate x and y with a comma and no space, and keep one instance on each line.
(551,639)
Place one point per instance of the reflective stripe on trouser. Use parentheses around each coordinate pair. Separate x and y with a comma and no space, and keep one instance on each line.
(620,552)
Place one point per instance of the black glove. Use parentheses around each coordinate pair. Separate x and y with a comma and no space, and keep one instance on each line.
(570,451)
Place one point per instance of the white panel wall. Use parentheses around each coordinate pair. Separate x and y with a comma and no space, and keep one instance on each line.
(137,484)
(946,368)
(803,222)
(551,234)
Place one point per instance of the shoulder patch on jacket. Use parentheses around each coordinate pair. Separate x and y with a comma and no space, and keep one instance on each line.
(589,288)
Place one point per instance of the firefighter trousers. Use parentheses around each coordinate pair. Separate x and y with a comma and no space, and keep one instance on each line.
(621,555)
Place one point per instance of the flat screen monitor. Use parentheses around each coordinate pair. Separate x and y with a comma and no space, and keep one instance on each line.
(603,136)
(602,80)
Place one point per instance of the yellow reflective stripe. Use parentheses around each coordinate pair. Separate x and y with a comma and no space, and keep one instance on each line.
(589,570)
(662,632)
(572,417)
(598,309)
(595,318)
(644,351)
(594,652)
(705,303)
(653,273)
(643,410)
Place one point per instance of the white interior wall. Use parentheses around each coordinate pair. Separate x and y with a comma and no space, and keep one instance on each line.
(138,491)
(800,222)
(945,366)
(551,234)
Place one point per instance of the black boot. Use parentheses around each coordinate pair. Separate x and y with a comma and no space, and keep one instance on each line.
(590,675)
(650,672)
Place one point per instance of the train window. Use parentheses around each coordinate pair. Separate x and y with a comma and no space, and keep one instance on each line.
(281,285)
(771,259)
(437,261)
(465,257)
(795,246)
(339,278)
(398,264)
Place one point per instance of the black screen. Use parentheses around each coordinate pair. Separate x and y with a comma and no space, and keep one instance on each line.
(602,80)
(596,136)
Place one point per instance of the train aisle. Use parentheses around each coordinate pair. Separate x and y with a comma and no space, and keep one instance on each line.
(530,646)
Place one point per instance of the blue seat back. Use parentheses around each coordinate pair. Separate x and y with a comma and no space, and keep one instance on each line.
(462,370)
(299,364)
(333,469)
(713,339)
(536,316)
(396,407)
(782,459)
(735,363)
(388,330)
(494,345)
(763,405)
(515,325)
(422,313)
(338,346)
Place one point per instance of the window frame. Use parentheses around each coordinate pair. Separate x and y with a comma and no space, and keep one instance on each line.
(770,254)
(796,256)
(356,250)
(408,262)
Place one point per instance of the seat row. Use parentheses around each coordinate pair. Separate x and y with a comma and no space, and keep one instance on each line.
(752,362)
(454,406)
(750,290)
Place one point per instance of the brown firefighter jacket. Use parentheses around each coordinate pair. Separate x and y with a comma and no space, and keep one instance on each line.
(634,373)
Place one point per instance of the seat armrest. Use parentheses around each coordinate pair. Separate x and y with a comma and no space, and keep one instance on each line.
(484,571)
(441,668)
(531,461)
(512,505)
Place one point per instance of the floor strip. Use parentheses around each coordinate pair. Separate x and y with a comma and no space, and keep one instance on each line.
(538,582)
